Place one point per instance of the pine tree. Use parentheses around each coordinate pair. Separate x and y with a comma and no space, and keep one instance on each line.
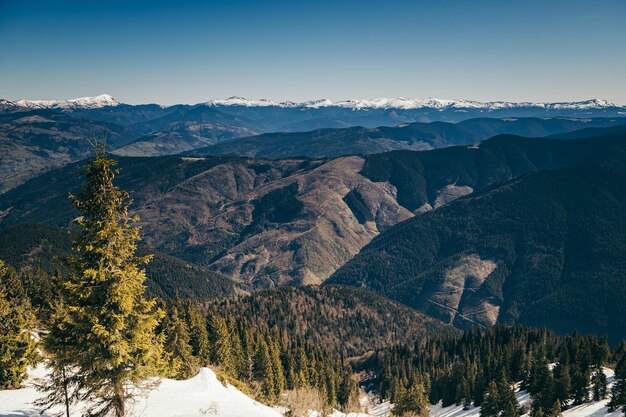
(500,401)
(199,336)
(107,332)
(555,411)
(414,400)
(467,396)
(490,406)
(221,343)
(60,386)
(618,391)
(236,348)
(562,383)
(248,348)
(263,371)
(479,389)
(277,367)
(580,384)
(302,368)
(508,404)
(539,374)
(17,348)
(181,362)
(599,383)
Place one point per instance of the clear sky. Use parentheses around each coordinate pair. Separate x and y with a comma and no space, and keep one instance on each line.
(184,51)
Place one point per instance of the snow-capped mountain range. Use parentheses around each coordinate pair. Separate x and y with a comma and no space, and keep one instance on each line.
(409,104)
(96,102)
(105,100)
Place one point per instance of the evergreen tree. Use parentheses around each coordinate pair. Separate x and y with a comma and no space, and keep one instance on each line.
(413,400)
(580,384)
(237,352)
(248,349)
(17,348)
(182,364)
(479,390)
(599,383)
(508,404)
(555,411)
(107,332)
(263,370)
(490,406)
(60,386)
(199,336)
(562,383)
(222,345)
(539,373)
(277,368)
(467,396)
(618,391)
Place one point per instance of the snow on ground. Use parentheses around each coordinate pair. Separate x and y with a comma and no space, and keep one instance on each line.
(205,395)
(201,395)
(593,409)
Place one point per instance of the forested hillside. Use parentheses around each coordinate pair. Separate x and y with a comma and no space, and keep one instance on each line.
(481,368)
(220,212)
(39,252)
(420,177)
(321,143)
(339,319)
(546,249)
(34,142)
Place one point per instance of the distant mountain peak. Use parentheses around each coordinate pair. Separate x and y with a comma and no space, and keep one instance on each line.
(102,100)
(396,103)
(402,103)
(244,102)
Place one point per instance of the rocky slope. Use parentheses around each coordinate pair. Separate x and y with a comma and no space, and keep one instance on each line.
(296,221)
(261,222)
(546,249)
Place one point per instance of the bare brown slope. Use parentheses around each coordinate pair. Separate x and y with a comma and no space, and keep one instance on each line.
(235,206)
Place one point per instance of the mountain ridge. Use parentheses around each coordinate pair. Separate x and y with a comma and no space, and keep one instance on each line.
(104,100)
(544,249)
(296,221)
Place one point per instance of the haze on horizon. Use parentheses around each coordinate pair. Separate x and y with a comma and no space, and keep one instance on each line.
(187,52)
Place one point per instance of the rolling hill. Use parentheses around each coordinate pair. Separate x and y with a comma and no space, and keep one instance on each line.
(296,221)
(546,249)
(36,141)
(32,246)
(322,143)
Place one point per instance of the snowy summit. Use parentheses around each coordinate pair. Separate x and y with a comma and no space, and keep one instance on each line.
(410,104)
(102,100)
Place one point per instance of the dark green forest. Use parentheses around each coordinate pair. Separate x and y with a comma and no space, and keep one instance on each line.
(481,367)
(558,239)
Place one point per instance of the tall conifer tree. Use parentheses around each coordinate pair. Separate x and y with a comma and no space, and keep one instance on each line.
(17,348)
(182,364)
(107,332)
(618,391)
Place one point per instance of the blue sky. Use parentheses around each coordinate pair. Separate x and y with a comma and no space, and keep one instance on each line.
(186,52)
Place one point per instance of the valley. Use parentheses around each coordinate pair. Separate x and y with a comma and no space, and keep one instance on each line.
(312,208)
(356,243)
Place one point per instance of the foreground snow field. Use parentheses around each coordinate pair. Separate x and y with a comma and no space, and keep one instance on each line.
(204,395)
